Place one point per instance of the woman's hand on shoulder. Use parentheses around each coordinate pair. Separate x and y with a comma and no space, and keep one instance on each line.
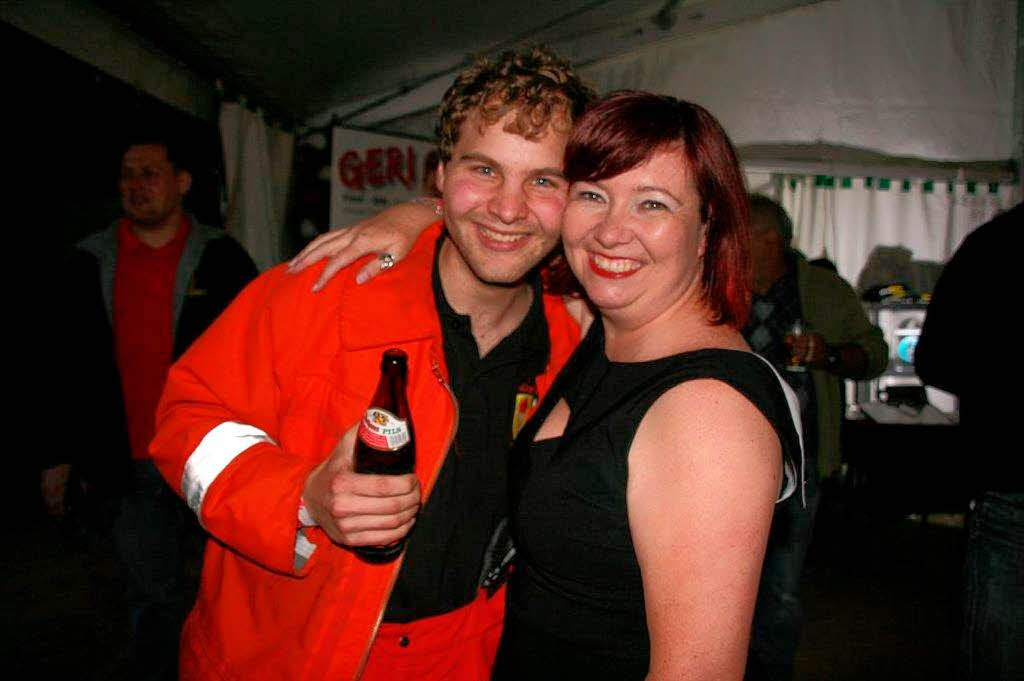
(393,231)
(704,473)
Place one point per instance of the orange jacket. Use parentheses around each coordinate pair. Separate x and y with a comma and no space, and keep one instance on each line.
(260,399)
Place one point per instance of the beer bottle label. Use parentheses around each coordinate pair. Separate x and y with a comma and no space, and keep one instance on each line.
(383,430)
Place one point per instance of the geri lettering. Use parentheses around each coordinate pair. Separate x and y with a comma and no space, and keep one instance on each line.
(380,167)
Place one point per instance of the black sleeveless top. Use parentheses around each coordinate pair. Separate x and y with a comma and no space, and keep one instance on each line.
(576,606)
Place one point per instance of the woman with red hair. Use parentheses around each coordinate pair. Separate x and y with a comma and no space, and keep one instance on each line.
(643,487)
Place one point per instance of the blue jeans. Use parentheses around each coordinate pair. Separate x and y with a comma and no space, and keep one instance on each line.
(778,615)
(159,546)
(992,640)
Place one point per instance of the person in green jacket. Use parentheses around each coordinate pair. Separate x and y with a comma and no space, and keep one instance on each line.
(810,324)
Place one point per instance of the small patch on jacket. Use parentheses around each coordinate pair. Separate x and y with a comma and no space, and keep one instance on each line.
(526,404)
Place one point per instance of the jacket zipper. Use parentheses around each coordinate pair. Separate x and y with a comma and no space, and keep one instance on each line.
(435,368)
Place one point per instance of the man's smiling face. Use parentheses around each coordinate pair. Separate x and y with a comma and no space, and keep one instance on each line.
(503,198)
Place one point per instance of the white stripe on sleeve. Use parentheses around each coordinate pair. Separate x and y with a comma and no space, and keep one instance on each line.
(303,549)
(218,449)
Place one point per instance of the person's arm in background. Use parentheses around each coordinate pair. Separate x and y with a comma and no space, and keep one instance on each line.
(704,474)
(217,445)
(394,230)
(948,331)
(84,389)
(859,350)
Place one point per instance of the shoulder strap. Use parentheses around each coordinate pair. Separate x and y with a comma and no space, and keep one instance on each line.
(756,379)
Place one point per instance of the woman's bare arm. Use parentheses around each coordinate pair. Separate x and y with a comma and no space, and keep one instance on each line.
(704,473)
(394,230)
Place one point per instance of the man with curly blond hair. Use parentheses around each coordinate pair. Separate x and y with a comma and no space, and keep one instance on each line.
(536,87)
(255,428)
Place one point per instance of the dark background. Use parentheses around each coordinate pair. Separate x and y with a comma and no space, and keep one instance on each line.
(73,122)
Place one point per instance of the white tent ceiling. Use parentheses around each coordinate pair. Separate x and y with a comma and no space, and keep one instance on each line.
(918,78)
(930,79)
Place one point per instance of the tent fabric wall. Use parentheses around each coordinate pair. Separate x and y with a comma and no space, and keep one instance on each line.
(897,85)
(258,165)
(917,78)
(933,79)
(846,220)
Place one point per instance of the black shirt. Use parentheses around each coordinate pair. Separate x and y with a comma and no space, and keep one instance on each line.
(445,552)
(576,601)
(964,349)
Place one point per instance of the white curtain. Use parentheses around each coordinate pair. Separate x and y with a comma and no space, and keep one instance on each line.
(258,164)
(847,218)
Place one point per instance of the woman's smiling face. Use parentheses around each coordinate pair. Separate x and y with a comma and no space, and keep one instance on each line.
(635,240)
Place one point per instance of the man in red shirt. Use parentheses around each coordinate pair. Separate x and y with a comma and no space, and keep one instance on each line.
(136,295)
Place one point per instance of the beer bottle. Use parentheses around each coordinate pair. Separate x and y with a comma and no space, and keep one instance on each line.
(385,444)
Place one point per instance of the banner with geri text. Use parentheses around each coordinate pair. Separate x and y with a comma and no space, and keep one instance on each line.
(370,172)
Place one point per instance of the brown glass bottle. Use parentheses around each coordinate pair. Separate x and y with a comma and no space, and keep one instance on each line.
(385,444)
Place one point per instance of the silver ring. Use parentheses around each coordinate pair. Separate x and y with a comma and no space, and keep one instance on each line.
(386,260)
